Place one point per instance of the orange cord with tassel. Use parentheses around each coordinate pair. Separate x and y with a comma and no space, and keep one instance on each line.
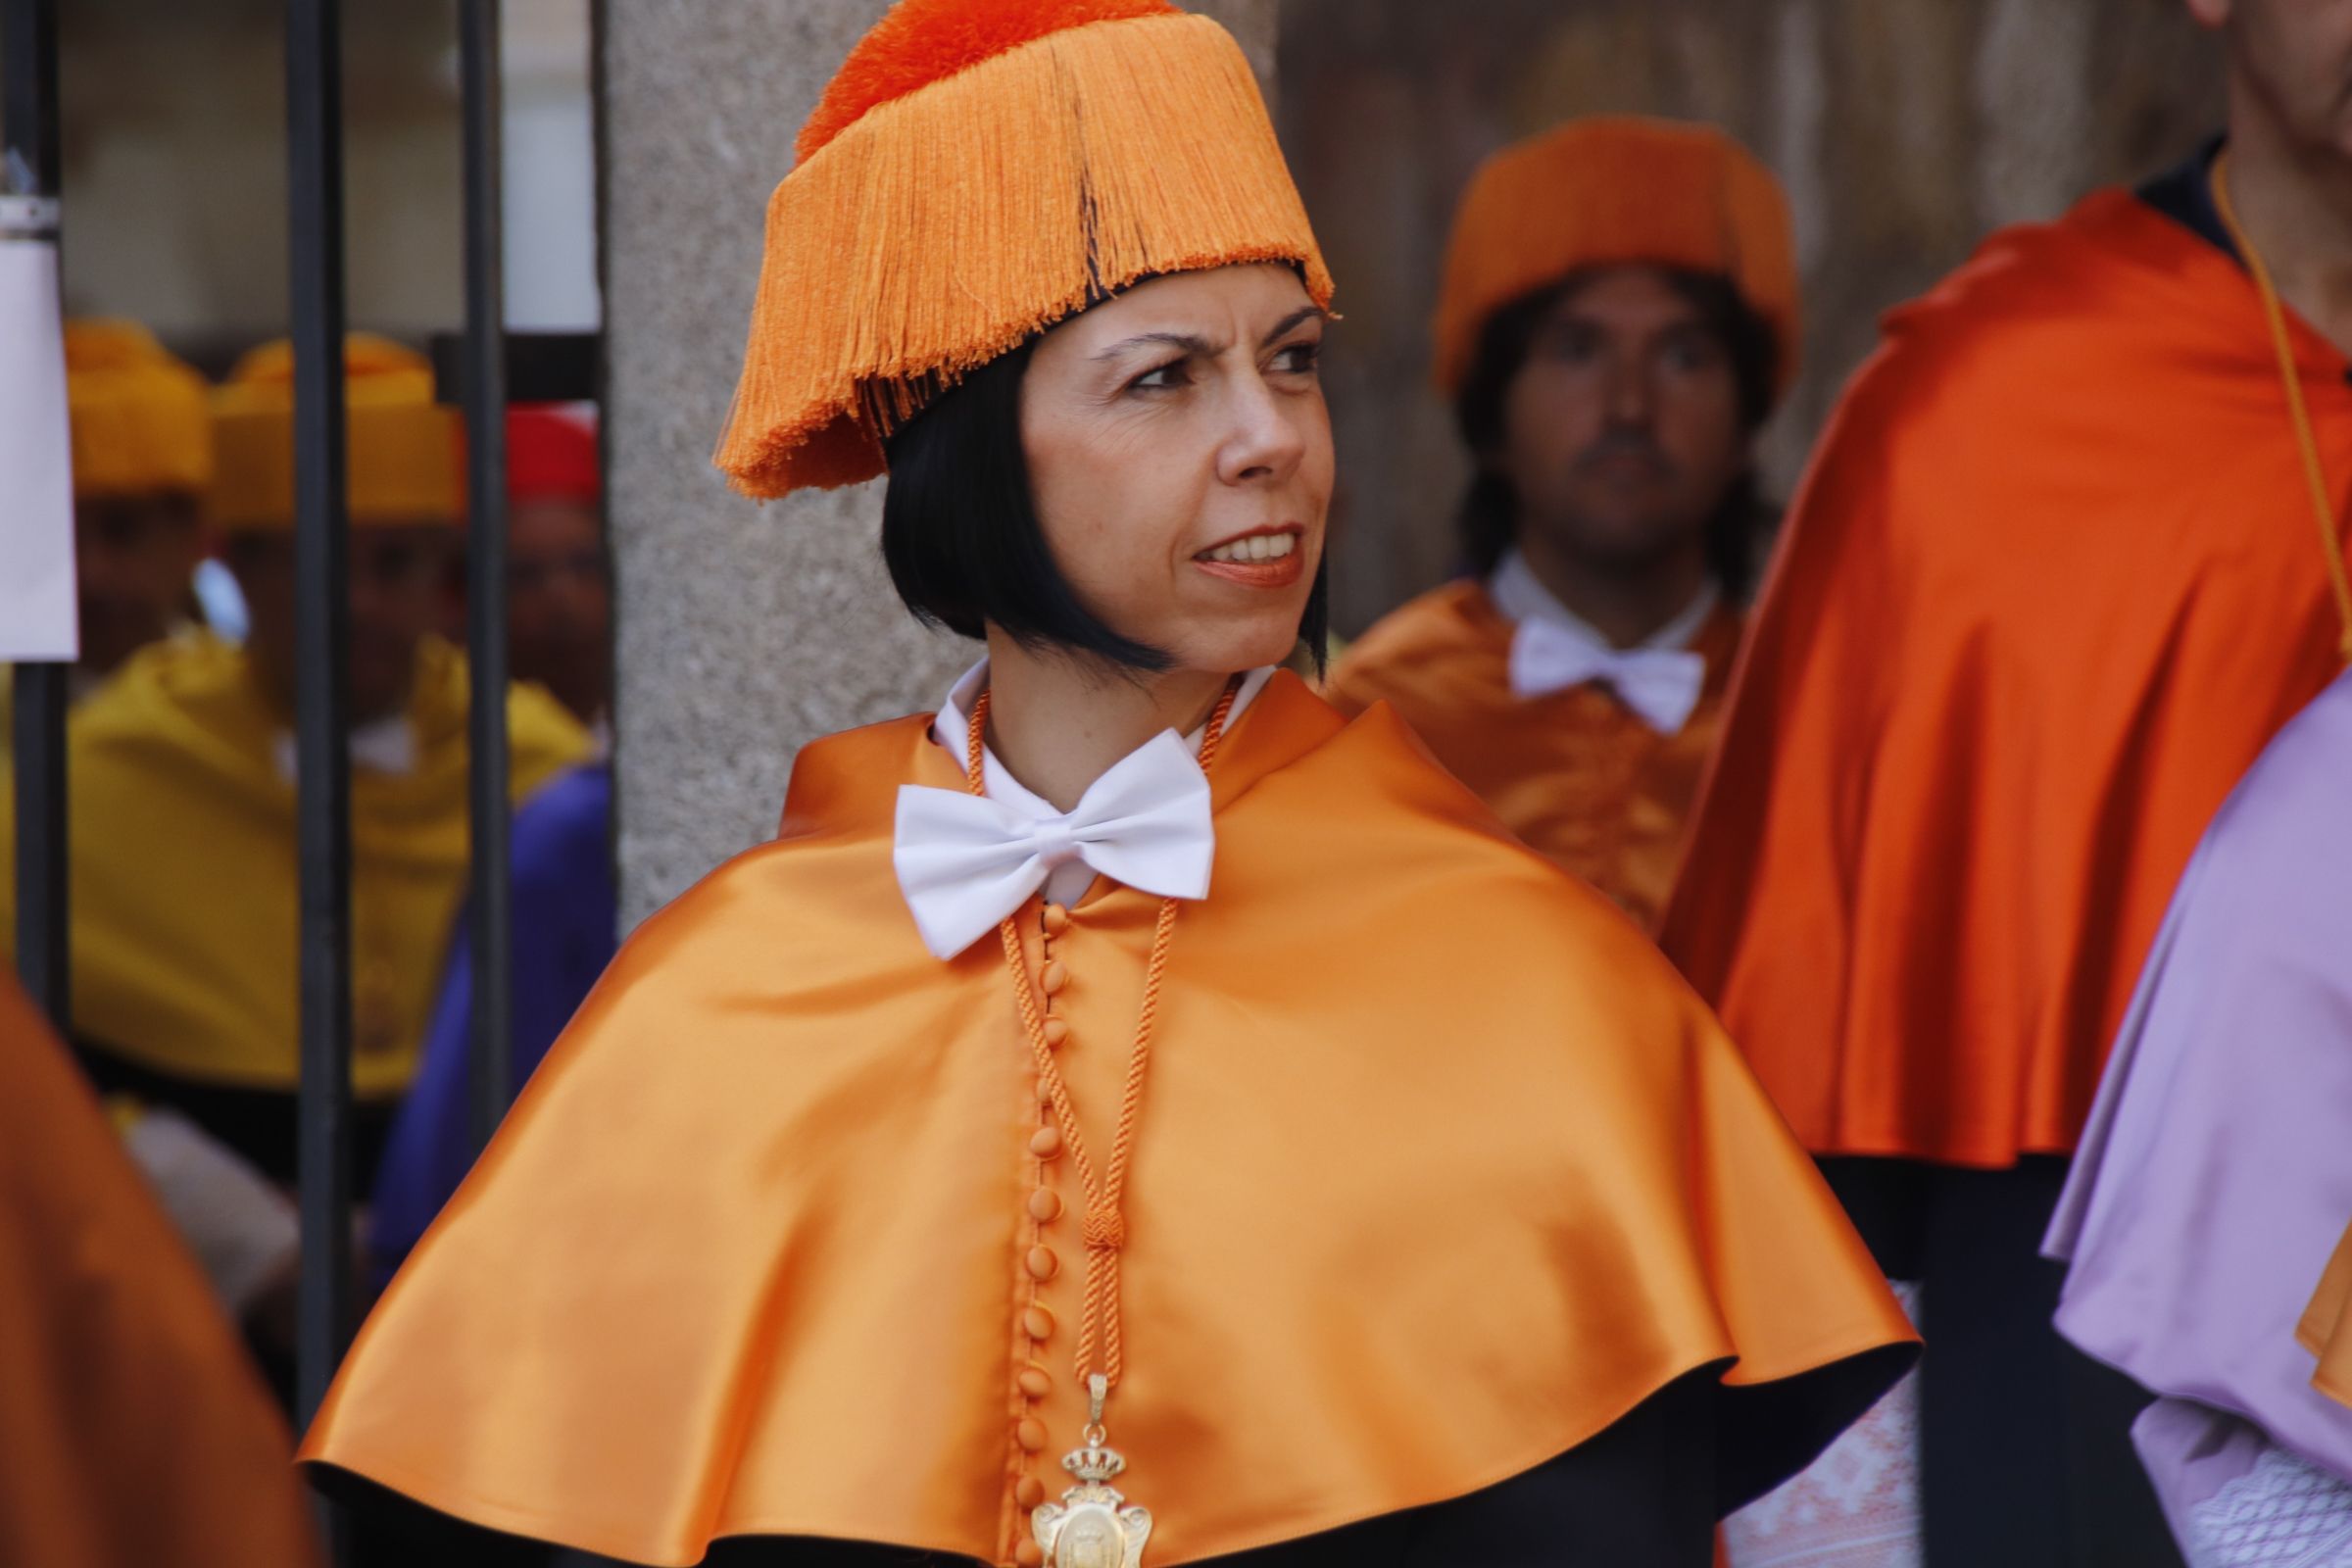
(1105,1226)
(2314,474)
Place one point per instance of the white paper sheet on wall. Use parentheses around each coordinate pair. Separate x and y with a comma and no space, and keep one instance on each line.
(38,619)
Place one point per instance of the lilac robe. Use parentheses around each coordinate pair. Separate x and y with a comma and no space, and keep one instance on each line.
(2215,1177)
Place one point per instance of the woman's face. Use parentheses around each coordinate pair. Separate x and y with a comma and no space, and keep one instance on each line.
(1180,459)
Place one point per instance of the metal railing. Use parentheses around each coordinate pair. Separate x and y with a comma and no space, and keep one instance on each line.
(30,157)
(318,312)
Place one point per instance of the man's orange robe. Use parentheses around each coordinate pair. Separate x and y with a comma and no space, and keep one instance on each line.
(133,1432)
(1577,774)
(2051,583)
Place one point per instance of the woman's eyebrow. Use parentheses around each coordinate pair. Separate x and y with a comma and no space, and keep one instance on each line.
(1186,341)
(1303,313)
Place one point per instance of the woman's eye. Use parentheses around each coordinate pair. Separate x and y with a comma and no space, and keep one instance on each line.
(1299,358)
(1159,379)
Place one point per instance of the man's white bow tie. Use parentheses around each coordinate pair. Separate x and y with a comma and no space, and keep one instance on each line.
(1662,685)
(966,861)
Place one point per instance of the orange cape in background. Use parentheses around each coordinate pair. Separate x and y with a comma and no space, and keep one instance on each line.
(1440,1171)
(1577,774)
(2326,1328)
(2050,585)
(135,1430)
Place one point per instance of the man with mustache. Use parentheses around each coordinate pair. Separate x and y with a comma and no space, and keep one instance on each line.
(143,460)
(1618,316)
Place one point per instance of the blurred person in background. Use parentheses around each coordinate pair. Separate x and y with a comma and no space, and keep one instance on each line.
(183,866)
(558,580)
(142,460)
(565,908)
(1619,316)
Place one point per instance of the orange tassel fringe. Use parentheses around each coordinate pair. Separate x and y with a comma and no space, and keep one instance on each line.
(942,228)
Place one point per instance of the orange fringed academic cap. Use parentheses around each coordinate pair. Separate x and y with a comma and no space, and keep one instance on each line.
(405,462)
(140,425)
(1610,189)
(134,1429)
(977,171)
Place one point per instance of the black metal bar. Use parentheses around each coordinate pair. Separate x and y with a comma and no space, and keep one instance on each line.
(321,611)
(490,929)
(39,739)
(30,166)
(541,367)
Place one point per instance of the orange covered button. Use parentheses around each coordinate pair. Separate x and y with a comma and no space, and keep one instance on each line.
(1044,1206)
(1043,1264)
(1057,1031)
(1057,919)
(1046,1143)
(1029,1493)
(1055,976)
(1029,1554)
(1037,1323)
(1029,1435)
(1035,1382)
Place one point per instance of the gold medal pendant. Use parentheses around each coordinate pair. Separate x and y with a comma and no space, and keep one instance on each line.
(1092,1526)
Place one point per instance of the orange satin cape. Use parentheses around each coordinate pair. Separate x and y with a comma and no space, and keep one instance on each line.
(134,1429)
(2326,1328)
(1440,1171)
(2048,588)
(1577,774)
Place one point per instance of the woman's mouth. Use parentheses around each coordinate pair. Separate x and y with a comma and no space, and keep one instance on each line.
(1270,559)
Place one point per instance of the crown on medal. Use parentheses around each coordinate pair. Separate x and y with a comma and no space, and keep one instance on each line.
(1096,1463)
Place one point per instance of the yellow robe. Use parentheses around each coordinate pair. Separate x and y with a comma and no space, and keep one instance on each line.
(1440,1172)
(185,871)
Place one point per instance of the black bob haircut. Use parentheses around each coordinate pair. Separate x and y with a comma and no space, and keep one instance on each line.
(1490,511)
(961,537)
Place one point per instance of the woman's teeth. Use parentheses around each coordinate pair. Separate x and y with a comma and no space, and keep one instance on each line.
(1257,547)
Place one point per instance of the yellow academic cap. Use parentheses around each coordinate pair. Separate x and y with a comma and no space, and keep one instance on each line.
(405,459)
(139,416)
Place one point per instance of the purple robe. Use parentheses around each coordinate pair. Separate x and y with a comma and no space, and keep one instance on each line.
(2215,1177)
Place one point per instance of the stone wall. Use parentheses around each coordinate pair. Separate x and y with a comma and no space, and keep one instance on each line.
(1905,130)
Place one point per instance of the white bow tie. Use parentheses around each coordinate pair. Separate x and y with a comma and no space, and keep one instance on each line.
(966,861)
(1661,685)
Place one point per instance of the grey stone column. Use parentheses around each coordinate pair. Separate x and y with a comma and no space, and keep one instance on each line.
(745,630)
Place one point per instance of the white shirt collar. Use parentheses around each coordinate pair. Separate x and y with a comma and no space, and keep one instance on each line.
(1521,596)
(953,728)
(386,744)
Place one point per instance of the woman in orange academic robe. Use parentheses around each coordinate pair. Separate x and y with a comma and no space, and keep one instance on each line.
(1131,1115)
